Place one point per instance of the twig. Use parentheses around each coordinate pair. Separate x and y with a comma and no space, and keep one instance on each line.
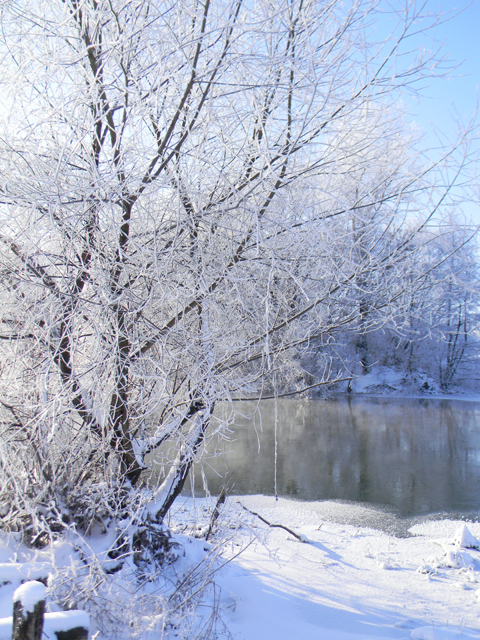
(280,526)
(216,512)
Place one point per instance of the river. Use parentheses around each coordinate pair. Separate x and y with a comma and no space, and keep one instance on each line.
(414,457)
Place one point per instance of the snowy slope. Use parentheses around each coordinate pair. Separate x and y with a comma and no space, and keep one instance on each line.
(346,582)
(350,583)
(385,381)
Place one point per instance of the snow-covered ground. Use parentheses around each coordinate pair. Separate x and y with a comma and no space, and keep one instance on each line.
(385,381)
(342,582)
(350,583)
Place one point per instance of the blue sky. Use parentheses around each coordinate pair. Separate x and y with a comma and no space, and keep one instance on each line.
(461,39)
(445,99)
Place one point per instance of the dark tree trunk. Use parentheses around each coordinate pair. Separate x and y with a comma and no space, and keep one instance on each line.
(28,625)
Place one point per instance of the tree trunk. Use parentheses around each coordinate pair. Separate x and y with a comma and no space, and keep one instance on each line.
(28,625)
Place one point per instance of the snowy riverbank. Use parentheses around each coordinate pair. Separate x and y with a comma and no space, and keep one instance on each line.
(345,582)
(351,583)
(391,381)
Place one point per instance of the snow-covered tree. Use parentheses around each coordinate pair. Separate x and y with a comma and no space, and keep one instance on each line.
(440,329)
(428,328)
(178,185)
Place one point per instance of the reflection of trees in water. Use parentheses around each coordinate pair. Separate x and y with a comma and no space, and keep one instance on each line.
(362,449)
(419,455)
(292,487)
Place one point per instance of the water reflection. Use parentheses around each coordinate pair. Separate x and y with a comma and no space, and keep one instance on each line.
(417,456)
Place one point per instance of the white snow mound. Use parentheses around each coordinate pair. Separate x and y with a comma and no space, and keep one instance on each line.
(30,594)
(463,538)
(18,572)
(458,560)
(65,620)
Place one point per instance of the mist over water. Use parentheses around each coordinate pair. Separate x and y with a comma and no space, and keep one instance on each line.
(413,456)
